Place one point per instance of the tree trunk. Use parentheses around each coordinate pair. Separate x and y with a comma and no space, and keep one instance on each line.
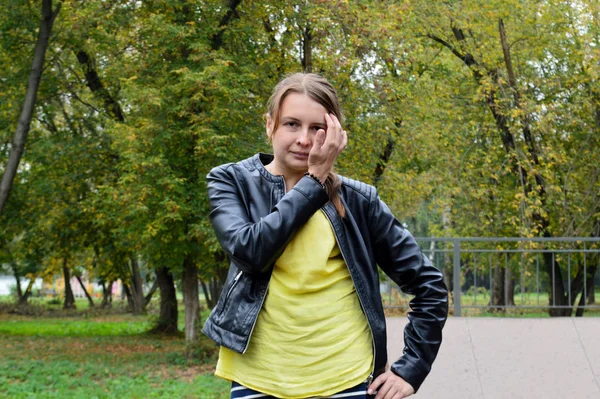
(106,295)
(19,289)
(217,38)
(216,287)
(556,293)
(137,288)
(150,294)
(87,294)
(589,286)
(25,297)
(447,268)
(69,298)
(128,295)
(167,319)
(212,290)
(35,76)
(383,160)
(447,273)
(15,269)
(510,289)
(210,303)
(307,49)
(191,302)
(497,294)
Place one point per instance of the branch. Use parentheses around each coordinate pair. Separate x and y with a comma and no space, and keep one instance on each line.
(217,39)
(68,120)
(507,60)
(55,13)
(467,58)
(447,45)
(112,106)
(70,89)
(49,124)
(512,81)
(383,160)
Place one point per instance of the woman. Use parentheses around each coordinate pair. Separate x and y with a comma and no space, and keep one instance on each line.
(301,315)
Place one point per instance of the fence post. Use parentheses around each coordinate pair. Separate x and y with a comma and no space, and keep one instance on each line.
(456,274)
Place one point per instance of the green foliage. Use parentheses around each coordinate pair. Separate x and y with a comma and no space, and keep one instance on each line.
(139,100)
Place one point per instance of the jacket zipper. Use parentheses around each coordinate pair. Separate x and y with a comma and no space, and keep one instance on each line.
(256,318)
(371,376)
(231,287)
(235,280)
(267,289)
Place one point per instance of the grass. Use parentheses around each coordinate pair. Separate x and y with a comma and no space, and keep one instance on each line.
(60,327)
(100,356)
(90,353)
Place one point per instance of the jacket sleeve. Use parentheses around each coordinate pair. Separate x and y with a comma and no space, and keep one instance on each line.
(255,245)
(400,257)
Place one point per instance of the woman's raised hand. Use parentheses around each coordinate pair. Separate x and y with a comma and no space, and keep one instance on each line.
(326,147)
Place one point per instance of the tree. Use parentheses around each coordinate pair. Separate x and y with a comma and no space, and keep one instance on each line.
(48,17)
(520,103)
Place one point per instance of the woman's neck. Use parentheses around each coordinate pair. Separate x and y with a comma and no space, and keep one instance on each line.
(290,178)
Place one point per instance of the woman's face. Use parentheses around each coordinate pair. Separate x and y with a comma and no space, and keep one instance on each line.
(300,119)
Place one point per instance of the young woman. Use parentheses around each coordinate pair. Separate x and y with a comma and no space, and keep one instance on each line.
(301,314)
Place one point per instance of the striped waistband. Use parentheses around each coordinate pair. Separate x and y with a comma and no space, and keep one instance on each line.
(358,392)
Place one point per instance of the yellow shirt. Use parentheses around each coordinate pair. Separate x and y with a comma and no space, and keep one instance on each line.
(311,337)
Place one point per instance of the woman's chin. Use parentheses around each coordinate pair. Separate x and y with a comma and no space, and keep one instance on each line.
(299,158)
(296,163)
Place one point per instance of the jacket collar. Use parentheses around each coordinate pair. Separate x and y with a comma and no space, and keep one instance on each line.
(259,161)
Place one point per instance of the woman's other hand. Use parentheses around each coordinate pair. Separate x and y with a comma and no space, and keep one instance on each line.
(390,386)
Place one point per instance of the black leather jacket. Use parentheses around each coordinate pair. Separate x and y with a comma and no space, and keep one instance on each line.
(254,219)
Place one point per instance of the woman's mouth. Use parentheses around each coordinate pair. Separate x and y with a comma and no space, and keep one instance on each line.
(301,155)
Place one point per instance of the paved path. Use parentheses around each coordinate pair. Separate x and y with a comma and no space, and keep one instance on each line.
(512,358)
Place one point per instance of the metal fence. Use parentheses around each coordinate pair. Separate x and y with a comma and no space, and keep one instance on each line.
(494,273)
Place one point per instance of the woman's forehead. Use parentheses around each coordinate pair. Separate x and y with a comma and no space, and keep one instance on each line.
(301,106)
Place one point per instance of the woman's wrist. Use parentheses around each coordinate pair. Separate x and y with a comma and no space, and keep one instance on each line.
(319,174)
(315,178)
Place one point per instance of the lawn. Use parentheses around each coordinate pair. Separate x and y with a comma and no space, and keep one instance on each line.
(107,356)
(91,353)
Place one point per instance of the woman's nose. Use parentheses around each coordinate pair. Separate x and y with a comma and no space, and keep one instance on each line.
(304,139)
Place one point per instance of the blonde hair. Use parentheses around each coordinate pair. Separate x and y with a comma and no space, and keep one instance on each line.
(320,90)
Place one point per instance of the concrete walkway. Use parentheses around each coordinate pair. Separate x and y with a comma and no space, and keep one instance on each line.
(511,358)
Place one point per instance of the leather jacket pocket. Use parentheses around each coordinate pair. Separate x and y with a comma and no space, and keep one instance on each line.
(236,279)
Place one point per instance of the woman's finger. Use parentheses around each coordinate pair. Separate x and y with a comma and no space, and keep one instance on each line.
(336,121)
(344,139)
(331,129)
(320,138)
(339,127)
(343,135)
(338,137)
(383,390)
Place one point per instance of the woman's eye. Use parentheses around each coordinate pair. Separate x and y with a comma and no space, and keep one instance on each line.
(291,124)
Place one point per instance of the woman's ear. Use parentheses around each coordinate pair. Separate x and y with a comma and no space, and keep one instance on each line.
(269,126)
